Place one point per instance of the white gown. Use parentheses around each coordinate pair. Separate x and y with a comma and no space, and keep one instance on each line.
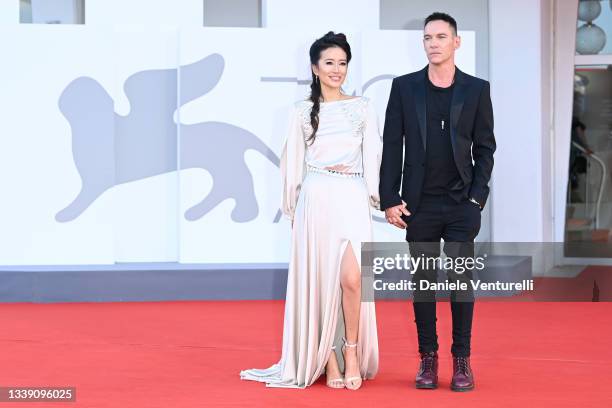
(328,211)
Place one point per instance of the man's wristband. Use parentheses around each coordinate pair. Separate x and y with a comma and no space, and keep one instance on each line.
(476,202)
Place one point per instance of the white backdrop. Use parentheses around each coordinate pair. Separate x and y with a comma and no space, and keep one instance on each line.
(262,107)
(144,220)
(37,172)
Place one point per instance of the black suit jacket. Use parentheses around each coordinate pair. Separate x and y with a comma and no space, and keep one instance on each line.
(471,133)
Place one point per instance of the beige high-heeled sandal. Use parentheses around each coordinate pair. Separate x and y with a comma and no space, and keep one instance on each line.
(334,382)
(352,383)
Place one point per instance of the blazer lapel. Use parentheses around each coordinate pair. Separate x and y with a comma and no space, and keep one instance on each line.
(457,101)
(421,105)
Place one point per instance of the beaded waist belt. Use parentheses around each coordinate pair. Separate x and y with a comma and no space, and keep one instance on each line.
(333,172)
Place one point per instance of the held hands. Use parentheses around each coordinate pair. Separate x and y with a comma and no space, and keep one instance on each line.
(394,215)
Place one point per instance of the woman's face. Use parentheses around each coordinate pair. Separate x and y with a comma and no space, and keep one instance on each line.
(331,68)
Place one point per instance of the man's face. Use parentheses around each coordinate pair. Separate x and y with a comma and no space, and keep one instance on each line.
(440,41)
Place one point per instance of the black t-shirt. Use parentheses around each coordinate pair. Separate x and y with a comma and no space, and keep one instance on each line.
(441,174)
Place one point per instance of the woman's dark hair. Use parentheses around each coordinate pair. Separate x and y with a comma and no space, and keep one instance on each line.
(329,40)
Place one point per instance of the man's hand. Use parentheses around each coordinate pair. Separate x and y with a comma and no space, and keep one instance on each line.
(394,215)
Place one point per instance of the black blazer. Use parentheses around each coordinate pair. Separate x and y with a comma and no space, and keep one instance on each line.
(471,133)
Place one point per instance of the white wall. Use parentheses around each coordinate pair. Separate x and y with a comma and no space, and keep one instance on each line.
(547,128)
(144,13)
(565,13)
(37,171)
(520,211)
(9,12)
(322,15)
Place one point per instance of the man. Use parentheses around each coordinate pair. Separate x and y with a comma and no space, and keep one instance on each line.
(443,119)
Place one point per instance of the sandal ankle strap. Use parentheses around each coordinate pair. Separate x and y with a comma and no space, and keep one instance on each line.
(347,344)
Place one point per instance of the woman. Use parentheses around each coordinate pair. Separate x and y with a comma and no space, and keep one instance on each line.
(330,164)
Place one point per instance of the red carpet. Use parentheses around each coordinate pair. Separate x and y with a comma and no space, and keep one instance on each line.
(593,283)
(188,354)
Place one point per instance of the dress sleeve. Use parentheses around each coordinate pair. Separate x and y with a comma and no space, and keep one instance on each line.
(292,164)
(372,154)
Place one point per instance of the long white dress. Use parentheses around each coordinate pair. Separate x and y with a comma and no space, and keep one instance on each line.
(328,211)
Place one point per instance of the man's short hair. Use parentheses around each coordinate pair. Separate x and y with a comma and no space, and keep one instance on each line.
(444,17)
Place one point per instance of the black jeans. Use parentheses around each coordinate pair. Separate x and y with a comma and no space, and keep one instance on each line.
(457,223)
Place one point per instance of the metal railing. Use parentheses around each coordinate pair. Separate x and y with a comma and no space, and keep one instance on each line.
(603,180)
